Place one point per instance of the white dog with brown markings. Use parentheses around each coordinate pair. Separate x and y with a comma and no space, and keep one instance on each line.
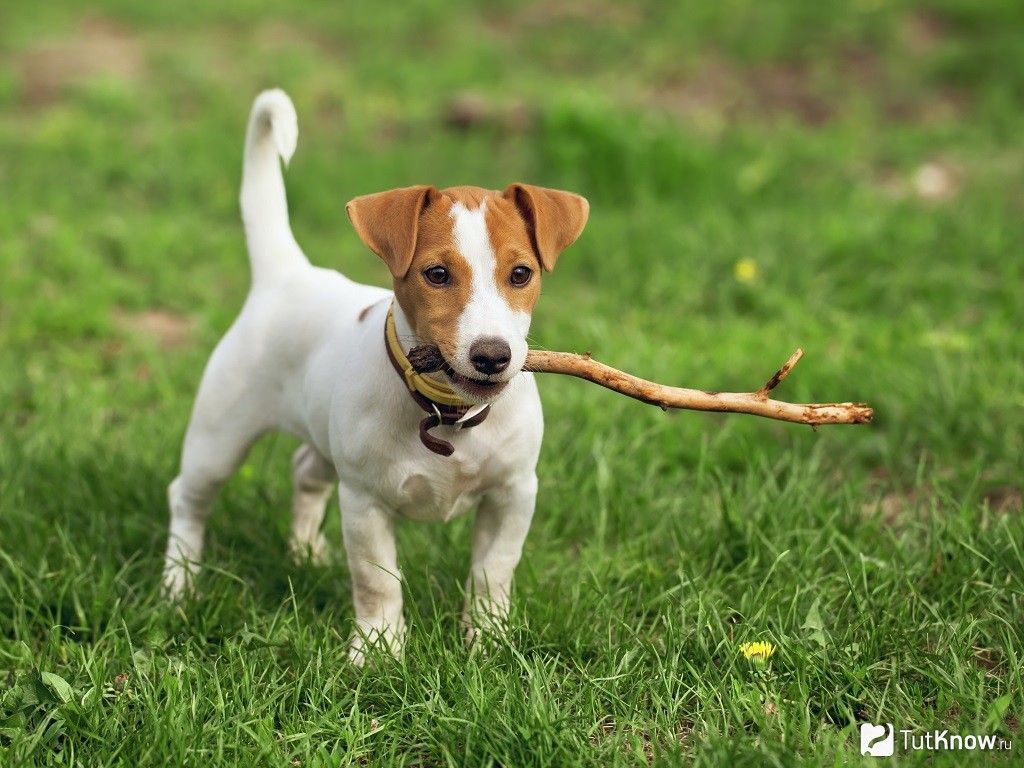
(324,358)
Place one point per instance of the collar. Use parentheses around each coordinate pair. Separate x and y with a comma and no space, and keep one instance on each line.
(435,398)
(435,391)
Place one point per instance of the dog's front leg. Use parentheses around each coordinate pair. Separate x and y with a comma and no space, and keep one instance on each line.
(502,522)
(369,533)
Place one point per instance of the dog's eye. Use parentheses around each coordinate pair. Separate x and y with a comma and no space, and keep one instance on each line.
(437,275)
(521,276)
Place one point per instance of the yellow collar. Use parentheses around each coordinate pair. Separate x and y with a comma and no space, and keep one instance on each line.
(437,391)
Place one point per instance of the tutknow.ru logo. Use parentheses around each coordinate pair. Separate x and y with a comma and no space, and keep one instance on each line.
(877,740)
(880,741)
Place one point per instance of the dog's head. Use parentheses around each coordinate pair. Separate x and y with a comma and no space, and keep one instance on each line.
(466,264)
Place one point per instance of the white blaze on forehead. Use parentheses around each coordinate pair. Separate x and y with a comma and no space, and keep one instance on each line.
(470,229)
(488,313)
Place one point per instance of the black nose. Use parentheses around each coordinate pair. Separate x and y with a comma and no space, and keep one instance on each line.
(490,355)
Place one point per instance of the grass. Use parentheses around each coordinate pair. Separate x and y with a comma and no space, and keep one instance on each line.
(755,176)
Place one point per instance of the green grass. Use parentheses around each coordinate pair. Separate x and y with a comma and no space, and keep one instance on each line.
(885,562)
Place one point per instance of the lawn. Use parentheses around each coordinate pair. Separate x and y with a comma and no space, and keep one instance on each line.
(847,177)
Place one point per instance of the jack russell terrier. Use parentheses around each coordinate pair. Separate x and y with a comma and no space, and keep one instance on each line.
(324,358)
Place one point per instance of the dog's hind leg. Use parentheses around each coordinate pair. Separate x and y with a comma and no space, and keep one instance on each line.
(208,460)
(223,427)
(313,479)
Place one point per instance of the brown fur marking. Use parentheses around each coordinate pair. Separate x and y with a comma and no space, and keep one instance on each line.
(512,248)
(434,311)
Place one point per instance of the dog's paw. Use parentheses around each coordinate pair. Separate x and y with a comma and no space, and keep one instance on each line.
(371,642)
(482,631)
(179,583)
(317,551)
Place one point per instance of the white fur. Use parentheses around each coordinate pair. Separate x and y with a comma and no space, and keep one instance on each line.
(299,358)
(487,314)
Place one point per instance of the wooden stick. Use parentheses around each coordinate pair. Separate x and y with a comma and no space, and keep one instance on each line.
(756,403)
(428,359)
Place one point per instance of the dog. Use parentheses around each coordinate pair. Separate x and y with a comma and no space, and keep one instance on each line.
(324,358)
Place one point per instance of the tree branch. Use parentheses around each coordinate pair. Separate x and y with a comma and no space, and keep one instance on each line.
(428,359)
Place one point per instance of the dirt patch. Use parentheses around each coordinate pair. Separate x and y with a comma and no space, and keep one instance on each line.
(98,47)
(788,89)
(1003,499)
(607,727)
(469,110)
(899,505)
(718,91)
(169,329)
(895,506)
(923,31)
(540,15)
(988,659)
(277,35)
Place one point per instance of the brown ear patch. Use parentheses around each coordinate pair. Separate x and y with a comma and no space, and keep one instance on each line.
(553,218)
(388,222)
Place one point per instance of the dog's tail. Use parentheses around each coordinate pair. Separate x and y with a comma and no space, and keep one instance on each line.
(273,132)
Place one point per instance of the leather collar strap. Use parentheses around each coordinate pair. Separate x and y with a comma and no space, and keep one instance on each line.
(437,399)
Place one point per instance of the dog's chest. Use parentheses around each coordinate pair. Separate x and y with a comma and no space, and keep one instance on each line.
(441,494)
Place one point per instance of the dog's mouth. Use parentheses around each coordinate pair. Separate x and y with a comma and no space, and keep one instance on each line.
(475,389)
(427,358)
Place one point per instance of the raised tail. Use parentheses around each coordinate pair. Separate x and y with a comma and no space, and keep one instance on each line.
(273,133)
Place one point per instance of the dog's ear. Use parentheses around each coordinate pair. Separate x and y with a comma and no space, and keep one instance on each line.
(553,218)
(388,222)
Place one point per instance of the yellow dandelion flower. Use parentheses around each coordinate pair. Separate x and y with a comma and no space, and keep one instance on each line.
(758,651)
(745,270)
